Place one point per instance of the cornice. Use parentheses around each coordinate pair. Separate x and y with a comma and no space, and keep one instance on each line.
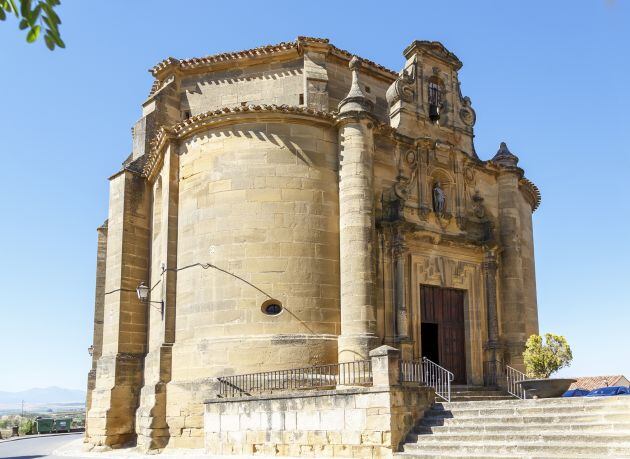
(532,191)
(224,116)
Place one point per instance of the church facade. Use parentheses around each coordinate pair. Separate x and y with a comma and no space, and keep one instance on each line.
(294,205)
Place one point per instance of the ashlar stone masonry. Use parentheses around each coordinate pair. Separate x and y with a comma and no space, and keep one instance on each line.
(299,175)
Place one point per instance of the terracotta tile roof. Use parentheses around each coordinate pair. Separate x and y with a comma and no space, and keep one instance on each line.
(196,62)
(536,195)
(595,382)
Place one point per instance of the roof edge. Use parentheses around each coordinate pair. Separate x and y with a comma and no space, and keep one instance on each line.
(173,64)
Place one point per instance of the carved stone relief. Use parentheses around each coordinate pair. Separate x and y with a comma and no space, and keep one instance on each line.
(466,113)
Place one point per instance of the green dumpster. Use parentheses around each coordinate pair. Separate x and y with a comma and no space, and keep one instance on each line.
(62,424)
(44,425)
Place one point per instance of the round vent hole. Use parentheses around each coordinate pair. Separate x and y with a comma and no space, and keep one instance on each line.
(271,307)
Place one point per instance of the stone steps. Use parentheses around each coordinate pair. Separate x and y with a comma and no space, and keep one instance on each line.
(474,421)
(525,428)
(568,401)
(479,398)
(481,409)
(518,449)
(476,394)
(561,454)
(569,428)
(515,436)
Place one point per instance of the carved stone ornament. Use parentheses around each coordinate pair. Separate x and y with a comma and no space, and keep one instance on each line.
(439,199)
(466,113)
(469,175)
(393,200)
(411,157)
(403,87)
(479,210)
(505,157)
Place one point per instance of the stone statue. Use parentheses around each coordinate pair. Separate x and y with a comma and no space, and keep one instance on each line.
(439,199)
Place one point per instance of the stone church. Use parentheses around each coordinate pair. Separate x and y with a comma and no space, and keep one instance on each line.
(294,205)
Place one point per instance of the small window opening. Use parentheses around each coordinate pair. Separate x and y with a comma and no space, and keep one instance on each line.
(271,307)
(435,101)
(301,97)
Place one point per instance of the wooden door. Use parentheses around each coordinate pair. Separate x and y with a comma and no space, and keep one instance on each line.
(444,307)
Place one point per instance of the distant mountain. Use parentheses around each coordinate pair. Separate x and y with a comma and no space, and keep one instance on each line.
(43,395)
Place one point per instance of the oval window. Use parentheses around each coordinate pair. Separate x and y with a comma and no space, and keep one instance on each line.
(271,307)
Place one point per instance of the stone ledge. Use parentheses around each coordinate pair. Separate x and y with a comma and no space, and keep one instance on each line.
(299,394)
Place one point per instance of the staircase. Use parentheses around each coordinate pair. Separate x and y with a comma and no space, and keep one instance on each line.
(478,394)
(481,423)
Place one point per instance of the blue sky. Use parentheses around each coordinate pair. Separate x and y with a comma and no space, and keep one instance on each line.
(549,78)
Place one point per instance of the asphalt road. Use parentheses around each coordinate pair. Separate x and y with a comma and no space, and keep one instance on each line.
(35,447)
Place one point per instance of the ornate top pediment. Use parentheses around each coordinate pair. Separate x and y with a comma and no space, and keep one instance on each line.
(435,49)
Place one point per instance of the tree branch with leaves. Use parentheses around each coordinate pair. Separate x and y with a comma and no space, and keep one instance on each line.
(543,359)
(35,15)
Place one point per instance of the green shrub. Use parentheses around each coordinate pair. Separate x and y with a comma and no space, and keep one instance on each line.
(542,360)
(26,426)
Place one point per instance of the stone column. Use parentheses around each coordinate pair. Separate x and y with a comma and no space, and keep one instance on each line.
(356,224)
(490,280)
(402,316)
(513,305)
(111,417)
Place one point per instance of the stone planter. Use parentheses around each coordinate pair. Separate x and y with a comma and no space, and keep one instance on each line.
(545,388)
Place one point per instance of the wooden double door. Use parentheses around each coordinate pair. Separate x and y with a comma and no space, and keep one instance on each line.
(442,332)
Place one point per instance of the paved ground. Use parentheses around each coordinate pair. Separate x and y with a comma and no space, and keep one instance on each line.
(35,447)
(70,446)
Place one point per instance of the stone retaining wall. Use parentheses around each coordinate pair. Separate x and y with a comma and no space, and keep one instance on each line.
(358,422)
(366,422)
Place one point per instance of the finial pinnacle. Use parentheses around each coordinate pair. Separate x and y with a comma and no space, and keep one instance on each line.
(505,157)
(355,63)
(355,100)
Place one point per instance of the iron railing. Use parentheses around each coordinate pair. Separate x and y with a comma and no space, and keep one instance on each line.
(439,378)
(512,377)
(412,371)
(357,373)
(498,374)
(428,373)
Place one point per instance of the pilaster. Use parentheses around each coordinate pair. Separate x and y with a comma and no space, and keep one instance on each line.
(316,78)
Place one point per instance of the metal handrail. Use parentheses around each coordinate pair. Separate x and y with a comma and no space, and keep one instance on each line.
(428,373)
(357,373)
(512,377)
(412,371)
(439,378)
